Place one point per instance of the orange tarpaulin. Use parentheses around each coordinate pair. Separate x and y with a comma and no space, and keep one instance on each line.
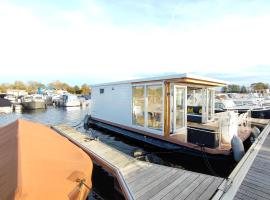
(37,163)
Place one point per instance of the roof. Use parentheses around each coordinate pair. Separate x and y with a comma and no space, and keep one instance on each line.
(185,76)
(38,163)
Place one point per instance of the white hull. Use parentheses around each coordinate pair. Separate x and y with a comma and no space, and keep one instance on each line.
(34,105)
(5,110)
(72,104)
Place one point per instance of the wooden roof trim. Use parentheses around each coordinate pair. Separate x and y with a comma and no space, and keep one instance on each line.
(186,80)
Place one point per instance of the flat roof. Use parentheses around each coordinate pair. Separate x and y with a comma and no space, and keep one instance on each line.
(168,77)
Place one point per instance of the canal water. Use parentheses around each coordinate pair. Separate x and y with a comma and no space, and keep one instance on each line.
(102,182)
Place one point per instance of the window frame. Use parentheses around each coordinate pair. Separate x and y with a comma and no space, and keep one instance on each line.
(145,127)
(101,90)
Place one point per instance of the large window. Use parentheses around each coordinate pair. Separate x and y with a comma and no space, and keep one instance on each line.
(211,103)
(194,101)
(154,106)
(138,105)
(148,106)
(180,103)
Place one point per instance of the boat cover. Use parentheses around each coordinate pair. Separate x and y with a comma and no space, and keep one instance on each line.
(5,103)
(38,163)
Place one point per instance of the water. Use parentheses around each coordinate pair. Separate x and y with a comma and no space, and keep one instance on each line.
(51,116)
(103,183)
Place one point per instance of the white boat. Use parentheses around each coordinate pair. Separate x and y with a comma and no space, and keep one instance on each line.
(224,103)
(69,100)
(11,98)
(85,101)
(165,112)
(266,101)
(32,102)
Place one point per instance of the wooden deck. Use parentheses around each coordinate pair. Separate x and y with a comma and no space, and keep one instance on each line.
(251,177)
(142,180)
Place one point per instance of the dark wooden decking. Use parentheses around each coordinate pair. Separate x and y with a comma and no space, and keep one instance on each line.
(256,184)
(142,180)
(251,177)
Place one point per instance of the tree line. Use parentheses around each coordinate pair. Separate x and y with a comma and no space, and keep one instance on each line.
(32,87)
(234,88)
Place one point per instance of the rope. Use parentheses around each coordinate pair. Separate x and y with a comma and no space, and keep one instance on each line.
(207,163)
(204,156)
(82,183)
(74,126)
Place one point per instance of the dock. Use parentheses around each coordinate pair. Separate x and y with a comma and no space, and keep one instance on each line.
(251,177)
(142,180)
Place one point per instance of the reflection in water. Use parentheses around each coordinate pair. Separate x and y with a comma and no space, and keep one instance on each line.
(50,116)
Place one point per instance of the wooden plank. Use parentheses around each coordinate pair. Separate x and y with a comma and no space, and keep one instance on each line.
(153,188)
(147,172)
(252,171)
(170,187)
(190,188)
(123,165)
(134,166)
(242,196)
(262,171)
(211,189)
(138,179)
(256,187)
(264,182)
(141,183)
(200,189)
(250,194)
(181,187)
(133,170)
(261,164)
(167,109)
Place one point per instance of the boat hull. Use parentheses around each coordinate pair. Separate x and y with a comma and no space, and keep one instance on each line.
(159,143)
(5,110)
(34,105)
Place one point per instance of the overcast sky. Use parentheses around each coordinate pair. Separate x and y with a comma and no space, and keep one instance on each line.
(96,41)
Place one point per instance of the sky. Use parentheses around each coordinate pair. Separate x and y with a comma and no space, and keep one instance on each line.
(95,41)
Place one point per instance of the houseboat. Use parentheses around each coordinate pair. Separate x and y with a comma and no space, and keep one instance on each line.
(175,112)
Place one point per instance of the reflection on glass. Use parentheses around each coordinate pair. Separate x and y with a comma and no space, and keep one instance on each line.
(211,96)
(179,107)
(138,105)
(154,106)
(194,101)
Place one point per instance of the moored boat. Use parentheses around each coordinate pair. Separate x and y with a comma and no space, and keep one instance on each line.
(38,163)
(32,102)
(173,112)
(242,106)
(5,106)
(69,100)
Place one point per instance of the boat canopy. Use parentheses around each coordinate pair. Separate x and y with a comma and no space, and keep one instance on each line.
(38,163)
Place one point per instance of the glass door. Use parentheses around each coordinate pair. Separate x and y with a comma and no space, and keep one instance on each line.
(210,103)
(180,108)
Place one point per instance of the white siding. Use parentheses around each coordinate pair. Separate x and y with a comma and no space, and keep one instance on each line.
(114,104)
